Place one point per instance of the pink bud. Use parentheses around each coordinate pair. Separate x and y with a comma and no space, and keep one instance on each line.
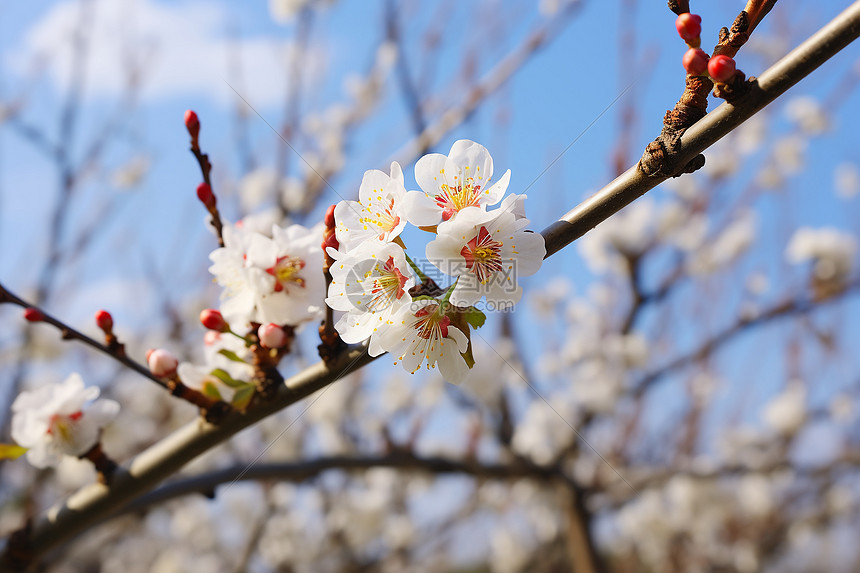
(721,68)
(104,320)
(272,336)
(161,363)
(212,319)
(33,315)
(204,193)
(329,217)
(192,123)
(211,337)
(689,26)
(695,62)
(330,240)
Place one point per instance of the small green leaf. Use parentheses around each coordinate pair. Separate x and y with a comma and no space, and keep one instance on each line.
(467,356)
(475,317)
(231,355)
(243,396)
(211,391)
(224,377)
(11,451)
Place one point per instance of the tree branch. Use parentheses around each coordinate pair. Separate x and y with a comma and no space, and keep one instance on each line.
(303,471)
(775,81)
(69,333)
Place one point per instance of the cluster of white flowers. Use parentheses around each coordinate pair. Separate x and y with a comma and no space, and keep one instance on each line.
(485,250)
(277,279)
(701,511)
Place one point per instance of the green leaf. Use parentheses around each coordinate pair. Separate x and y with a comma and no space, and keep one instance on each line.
(211,391)
(231,355)
(243,396)
(475,317)
(11,451)
(467,356)
(224,377)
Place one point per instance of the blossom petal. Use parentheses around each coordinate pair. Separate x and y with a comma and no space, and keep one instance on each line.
(472,160)
(421,210)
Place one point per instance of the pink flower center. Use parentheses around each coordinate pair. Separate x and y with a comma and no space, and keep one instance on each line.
(62,424)
(431,323)
(286,272)
(385,219)
(457,197)
(387,286)
(483,255)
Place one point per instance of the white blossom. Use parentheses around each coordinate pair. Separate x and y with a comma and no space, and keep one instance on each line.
(421,330)
(726,247)
(453,182)
(846,179)
(370,284)
(60,419)
(257,187)
(276,279)
(831,251)
(379,213)
(786,413)
(807,114)
(488,251)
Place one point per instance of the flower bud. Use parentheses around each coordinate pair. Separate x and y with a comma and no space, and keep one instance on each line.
(104,320)
(695,62)
(33,315)
(204,193)
(192,124)
(272,336)
(689,26)
(330,240)
(213,320)
(329,217)
(721,68)
(161,363)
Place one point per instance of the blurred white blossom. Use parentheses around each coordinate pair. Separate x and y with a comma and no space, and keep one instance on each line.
(830,250)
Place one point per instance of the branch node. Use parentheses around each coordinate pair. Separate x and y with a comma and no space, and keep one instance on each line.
(103,464)
(734,89)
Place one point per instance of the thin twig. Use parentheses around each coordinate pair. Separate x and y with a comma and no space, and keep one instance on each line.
(69,333)
(298,472)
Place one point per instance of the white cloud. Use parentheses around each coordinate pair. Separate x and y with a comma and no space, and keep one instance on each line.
(188,49)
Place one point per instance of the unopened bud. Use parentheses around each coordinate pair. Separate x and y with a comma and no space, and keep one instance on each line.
(104,320)
(330,240)
(33,314)
(329,217)
(204,193)
(192,123)
(161,363)
(689,26)
(272,336)
(721,68)
(695,62)
(213,320)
